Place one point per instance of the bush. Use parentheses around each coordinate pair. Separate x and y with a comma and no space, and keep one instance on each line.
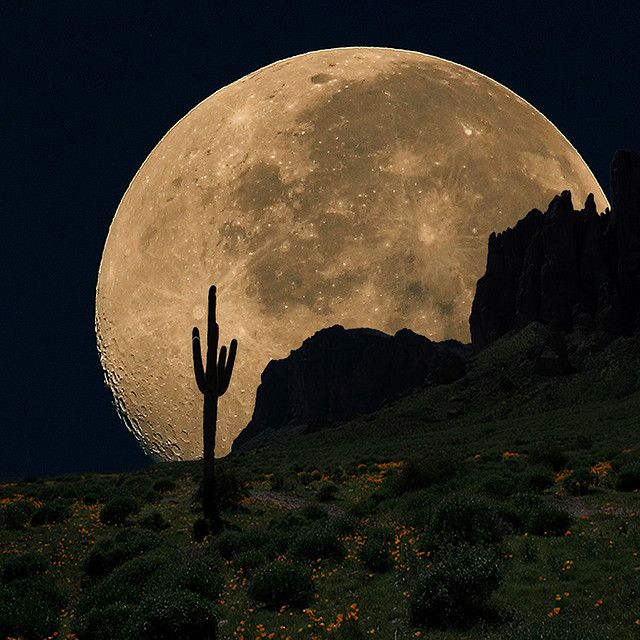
(282,583)
(15,516)
(24,565)
(345,523)
(117,510)
(416,475)
(105,623)
(230,543)
(250,560)
(155,521)
(29,608)
(173,614)
(50,513)
(317,541)
(313,512)
(550,455)
(456,590)
(471,519)
(579,483)
(229,490)
(497,485)
(535,480)
(200,529)
(532,514)
(375,553)
(164,485)
(628,479)
(327,492)
(108,553)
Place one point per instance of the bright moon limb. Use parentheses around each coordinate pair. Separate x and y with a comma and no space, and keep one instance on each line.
(354,186)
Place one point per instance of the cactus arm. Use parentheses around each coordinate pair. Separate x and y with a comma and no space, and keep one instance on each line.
(227,369)
(197,360)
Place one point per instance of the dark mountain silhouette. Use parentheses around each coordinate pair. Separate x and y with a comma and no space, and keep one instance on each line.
(569,270)
(339,373)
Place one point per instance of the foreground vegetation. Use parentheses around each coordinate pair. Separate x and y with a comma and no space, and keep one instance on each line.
(503,506)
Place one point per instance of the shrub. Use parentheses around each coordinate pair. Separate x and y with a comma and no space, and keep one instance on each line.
(200,529)
(535,480)
(164,485)
(50,513)
(498,485)
(550,455)
(282,583)
(173,614)
(345,523)
(327,492)
(317,541)
(29,608)
(532,514)
(155,521)
(471,519)
(230,543)
(628,479)
(314,512)
(250,560)
(579,483)
(117,510)
(351,630)
(229,490)
(16,515)
(24,565)
(456,590)
(105,622)
(375,553)
(416,475)
(108,553)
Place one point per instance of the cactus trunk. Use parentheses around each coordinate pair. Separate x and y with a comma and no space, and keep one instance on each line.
(213,380)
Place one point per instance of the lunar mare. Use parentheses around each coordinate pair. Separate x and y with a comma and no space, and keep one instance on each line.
(354,186)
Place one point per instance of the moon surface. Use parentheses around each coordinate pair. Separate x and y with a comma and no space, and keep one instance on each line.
(355,186)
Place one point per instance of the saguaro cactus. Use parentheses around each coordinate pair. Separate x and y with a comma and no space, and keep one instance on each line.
(212,379)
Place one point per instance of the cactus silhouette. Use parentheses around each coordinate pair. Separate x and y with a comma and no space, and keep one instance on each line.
(213,379)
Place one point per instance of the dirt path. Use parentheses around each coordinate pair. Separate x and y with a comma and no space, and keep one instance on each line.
(288,501)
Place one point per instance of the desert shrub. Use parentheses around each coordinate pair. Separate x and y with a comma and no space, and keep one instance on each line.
(154,520)
(105,622)
(229,490)
(456,590)
(110,552)
(29,607)
(117,510)
(314,512)
(535,480)
(579,483)
(164,485)
(532,514)
(628,479)
(317,541)
(550,455)
(497,485)
(50,513)
(250,560)
(305,478)
(230,543)
(173,614)
(15,516)
(327,491)
(345,523)
(416,475)
(467,518)
(93,496)
(151,497)
(417,508)
(351,630)
(282,583)
(24,565)
(287,521)
(375,553)
(200,529)
(136,485)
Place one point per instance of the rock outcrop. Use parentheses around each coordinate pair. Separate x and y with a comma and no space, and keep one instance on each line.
(339,373)
(564,268)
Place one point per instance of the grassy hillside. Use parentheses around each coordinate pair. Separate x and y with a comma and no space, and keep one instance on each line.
(502,506)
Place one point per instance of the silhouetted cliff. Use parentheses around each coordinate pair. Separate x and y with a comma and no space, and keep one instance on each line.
(567,269)
(338,373)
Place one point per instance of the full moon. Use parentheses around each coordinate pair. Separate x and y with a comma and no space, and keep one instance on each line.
(355,186)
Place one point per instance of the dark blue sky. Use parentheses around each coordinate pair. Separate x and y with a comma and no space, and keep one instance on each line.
(88,88)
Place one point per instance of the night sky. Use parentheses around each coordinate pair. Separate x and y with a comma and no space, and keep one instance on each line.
(88,89)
